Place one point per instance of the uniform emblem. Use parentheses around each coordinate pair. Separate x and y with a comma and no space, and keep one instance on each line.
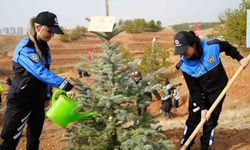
(34,57)
(177,43)
(211,60)
(56,22)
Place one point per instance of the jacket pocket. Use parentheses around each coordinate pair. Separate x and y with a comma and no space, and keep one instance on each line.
(19,85)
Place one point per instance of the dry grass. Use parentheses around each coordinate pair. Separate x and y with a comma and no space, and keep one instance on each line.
(8,42)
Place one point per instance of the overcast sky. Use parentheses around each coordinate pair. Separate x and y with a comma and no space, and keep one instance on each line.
(72,12)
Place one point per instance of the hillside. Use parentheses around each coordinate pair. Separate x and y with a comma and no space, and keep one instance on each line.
(66,54)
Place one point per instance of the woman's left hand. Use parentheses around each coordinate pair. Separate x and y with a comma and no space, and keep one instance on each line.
(244,62)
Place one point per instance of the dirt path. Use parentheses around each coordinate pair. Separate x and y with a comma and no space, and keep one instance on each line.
(52,138)
(226,139)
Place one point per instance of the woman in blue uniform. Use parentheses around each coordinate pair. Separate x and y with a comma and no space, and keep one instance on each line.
(30,86)
(205,77)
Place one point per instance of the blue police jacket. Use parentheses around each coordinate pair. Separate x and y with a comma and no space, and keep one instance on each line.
(28,58)
(33,80)
(206,74)
(209,60)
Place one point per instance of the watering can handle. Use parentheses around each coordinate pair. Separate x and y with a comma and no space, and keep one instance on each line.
(56,93)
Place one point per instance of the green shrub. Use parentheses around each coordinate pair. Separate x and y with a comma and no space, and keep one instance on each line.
(153,59)
(64,38)
(73,34)
(190,26)
(234,29)
(140,25)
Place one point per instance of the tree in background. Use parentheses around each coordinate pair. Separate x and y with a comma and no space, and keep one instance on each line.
(140,25)
(117,126)
(126,55)
(234,29)
(154,58)
(153,27)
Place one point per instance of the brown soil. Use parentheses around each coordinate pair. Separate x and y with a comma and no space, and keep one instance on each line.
(225,139)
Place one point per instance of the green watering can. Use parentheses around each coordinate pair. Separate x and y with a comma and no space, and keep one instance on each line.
(63,110)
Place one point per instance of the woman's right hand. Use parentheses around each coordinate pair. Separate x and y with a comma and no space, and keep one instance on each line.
(71,94)
(205,115)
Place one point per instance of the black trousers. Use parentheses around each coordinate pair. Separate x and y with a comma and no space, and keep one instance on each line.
(15,119)
(194,119)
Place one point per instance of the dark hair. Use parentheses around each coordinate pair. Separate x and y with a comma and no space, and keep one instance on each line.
(196,44)
(196,39)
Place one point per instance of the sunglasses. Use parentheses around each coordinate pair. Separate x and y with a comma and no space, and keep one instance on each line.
(49,31)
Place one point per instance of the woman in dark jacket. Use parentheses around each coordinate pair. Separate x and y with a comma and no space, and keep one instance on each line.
(205,77)
(31,84)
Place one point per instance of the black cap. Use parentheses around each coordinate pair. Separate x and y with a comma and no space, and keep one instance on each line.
(181,41)
(50,20)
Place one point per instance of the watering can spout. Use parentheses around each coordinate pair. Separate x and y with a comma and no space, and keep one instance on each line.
(80,116)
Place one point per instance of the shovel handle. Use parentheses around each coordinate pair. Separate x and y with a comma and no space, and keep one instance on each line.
(56,93)
(217,101)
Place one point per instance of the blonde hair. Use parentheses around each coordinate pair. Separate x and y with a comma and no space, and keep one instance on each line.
(33,37)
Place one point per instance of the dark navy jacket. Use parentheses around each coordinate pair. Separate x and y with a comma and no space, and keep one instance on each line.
(32,78)
(206,74)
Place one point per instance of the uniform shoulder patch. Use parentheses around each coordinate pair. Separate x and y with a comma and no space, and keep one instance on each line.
(34,57)
(178,65)
(214,41)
